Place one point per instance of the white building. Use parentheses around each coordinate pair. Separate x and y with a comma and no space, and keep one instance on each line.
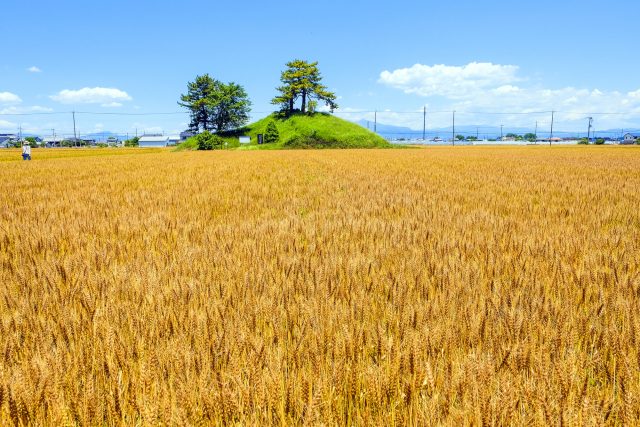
(630,138)
(153,141)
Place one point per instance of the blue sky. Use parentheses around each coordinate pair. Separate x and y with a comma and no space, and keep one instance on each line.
(136,57)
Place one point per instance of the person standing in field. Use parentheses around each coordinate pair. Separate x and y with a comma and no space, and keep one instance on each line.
(26,151)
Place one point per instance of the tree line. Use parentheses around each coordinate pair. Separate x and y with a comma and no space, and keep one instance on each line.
(215,106)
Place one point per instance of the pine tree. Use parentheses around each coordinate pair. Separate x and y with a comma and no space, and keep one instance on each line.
(215,106)
(199,101)
(302,79)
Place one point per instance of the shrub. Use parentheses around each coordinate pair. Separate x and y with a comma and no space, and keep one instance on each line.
(599,141)
(209,141)
(583,141)
(133,142)
(271,134)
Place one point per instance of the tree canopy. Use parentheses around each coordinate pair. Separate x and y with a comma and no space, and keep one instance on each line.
(301,80)
(214,105)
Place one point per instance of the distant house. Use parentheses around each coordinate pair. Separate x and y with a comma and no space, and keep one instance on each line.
(8,140)
(153,141)
(186,134)
(53,141)
(630,138)
(174,139)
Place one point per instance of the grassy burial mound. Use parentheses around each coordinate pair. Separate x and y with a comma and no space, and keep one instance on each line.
(319,130)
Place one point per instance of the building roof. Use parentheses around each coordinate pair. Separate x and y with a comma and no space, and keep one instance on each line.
(633,134)
(146,138)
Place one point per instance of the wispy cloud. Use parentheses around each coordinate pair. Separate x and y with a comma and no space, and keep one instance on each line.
(94,95)
(112,105)
(9,98)
(34,69)
(4,124)
(21,110)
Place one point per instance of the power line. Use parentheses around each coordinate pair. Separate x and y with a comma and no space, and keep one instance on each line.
(162,113)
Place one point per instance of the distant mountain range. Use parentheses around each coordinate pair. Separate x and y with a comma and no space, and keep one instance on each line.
(481,131)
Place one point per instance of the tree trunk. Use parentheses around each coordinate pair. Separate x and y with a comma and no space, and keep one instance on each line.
(291,105)
(304,100)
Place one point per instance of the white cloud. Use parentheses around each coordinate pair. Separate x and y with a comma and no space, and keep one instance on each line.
(5,124)
(91,95)
(450,81)
(112,105)
(34,69)
(20,110)
(146,128)
(494,88)
(9,98)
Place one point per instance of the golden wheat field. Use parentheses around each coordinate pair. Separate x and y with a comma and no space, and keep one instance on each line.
(437,286)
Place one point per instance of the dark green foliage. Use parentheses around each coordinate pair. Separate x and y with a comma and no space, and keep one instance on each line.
(214,105)
(302,79)
(531,137)
(133,142)
(460,137)
(599,141)
(209,141)
(198,100)
(583,141)
(231,107)
(271,134)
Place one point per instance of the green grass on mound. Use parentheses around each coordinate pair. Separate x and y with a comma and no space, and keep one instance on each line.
(319,130)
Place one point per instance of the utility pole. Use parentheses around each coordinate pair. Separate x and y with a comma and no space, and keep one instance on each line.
(551,134)
(477,132)
(20,133)
(536,134)
(75,138)
(375,121)
(424,122)
(589,128)
(501,126)
(453,129)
